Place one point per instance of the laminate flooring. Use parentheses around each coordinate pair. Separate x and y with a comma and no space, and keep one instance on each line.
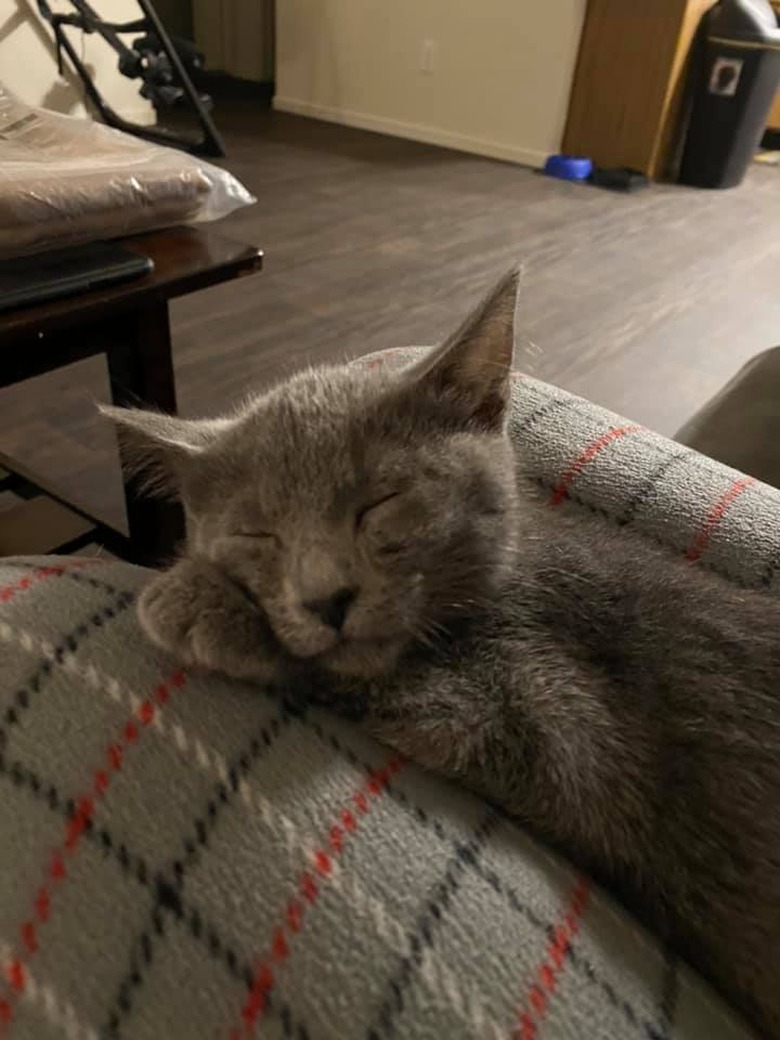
(645,303)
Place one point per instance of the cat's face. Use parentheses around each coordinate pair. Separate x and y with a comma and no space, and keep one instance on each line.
(356,517)
(362,510)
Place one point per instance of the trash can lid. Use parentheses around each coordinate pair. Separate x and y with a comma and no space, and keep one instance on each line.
(744,21)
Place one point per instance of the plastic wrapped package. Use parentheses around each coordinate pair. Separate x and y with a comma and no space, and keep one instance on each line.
(64,181)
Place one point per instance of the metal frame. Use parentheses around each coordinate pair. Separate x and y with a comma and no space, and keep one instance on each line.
(131,64)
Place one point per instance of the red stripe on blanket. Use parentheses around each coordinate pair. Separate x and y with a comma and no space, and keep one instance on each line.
(15,970)
(307,892)
(8,592)
(546,976)
(561,489)
(716,514)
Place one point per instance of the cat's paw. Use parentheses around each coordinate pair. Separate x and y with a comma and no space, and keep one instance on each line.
(195,612)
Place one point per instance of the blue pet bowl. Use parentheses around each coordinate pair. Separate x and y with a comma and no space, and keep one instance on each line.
(568,167)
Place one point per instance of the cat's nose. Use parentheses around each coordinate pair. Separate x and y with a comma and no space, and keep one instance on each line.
(333,609)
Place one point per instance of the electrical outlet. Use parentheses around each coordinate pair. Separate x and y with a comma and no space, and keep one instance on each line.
(428,54)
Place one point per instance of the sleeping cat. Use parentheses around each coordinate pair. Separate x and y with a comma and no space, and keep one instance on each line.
(368,534)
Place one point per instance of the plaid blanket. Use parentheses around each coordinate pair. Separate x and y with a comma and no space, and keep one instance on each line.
(187,857)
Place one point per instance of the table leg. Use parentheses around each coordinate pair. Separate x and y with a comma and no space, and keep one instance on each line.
(140,369)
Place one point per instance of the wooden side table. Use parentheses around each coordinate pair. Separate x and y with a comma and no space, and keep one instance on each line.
(127,322)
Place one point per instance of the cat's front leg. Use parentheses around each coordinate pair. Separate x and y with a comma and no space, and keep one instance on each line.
(195,612)
(436,731)
(434,745)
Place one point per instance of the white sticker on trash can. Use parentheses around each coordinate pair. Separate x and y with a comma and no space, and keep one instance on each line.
(724,78)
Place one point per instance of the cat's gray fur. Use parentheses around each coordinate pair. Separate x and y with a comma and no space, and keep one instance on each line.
(622,702)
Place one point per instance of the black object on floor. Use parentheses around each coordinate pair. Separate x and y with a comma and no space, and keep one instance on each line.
(618,178)
(736,85)
(162,65)
(27,280)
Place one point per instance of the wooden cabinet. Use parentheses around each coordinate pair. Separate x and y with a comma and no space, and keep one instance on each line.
(629,81)
(774,115)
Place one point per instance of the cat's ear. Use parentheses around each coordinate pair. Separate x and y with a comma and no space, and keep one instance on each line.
(473,367)
(163,449)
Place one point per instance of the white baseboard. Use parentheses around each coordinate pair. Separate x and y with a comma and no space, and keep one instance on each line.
(413,131)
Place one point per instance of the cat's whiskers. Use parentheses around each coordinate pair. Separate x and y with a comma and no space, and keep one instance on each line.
(436,632)
(419,636)
(429,632)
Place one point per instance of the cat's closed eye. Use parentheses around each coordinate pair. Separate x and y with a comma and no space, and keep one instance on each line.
(382,525)
(363,513)
(260,537)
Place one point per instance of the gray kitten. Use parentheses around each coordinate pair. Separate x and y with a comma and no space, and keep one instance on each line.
(369,533)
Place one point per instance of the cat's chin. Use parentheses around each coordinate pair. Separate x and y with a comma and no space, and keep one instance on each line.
(365,659)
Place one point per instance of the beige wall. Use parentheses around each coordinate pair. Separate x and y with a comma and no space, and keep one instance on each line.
(28,63)
(502,69)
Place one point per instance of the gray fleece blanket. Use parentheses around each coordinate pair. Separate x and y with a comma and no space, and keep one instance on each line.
(186,857)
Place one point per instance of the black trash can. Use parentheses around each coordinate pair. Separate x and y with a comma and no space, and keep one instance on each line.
(736,85)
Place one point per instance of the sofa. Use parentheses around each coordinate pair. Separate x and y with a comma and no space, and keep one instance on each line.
(189,857)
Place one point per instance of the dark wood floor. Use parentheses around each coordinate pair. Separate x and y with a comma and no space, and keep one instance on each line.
(644,303)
